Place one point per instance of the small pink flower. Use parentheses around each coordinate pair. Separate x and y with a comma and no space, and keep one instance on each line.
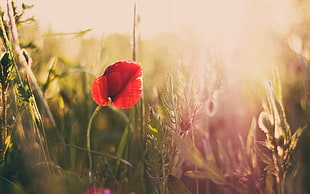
(95,190)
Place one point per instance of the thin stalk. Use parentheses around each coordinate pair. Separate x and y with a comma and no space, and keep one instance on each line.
(22,60)
(97,153)
(140,105)
(164,186)
(279,181)
(134,42)
(88,136)
(4,125)
(196,168)
(15,186)
(38,125)
(8,47)
(278,172)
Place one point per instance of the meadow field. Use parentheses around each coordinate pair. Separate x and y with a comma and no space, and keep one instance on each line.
(218,106)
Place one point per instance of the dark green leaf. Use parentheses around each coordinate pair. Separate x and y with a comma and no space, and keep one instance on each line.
(5,60)
(4,70)
(24,93)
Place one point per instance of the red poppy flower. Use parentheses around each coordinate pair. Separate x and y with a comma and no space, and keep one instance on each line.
(120,84)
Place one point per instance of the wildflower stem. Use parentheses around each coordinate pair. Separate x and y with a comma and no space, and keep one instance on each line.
(88,140)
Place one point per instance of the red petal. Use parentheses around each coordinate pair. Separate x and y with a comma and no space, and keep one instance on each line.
(131,90)
(126,69)
(100,91)
(114,83)
(124,83)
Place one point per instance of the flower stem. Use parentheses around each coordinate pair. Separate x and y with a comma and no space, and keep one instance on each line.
(90,123)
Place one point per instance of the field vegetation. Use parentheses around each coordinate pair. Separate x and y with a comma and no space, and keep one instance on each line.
(205,122)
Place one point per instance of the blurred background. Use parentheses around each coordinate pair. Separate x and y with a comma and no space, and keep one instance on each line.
(246,34)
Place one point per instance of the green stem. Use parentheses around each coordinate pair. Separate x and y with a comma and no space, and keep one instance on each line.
(4,125)
(88,140)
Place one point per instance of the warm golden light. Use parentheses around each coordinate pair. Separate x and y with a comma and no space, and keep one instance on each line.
(221,19)
(242,31)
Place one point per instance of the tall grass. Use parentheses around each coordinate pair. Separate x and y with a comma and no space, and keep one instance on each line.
(179,138)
